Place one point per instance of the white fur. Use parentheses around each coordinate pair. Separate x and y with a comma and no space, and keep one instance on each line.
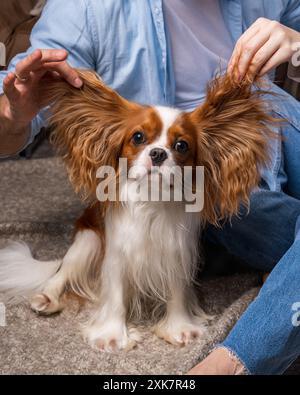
(151,254)
(80,270)
(143,170)
(20,274)
(143,162)
(168,116)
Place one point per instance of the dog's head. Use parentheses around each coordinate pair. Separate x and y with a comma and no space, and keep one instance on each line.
(94,126)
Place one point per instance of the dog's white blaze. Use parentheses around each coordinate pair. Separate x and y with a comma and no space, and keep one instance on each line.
(168,116)
(143,163)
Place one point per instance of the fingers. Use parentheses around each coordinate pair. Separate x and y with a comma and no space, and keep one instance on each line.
(37,58)
(257,46)
(39,62)
(281,56)
(53,55)
(249,51)
(25,66)
(9,86)
(262,56)
(65,71)
(239,44)
(245,37)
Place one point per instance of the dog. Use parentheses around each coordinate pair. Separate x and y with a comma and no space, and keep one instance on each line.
(129,254)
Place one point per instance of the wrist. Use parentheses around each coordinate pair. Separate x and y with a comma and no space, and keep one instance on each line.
(13,137)
(15,125)
(5,108)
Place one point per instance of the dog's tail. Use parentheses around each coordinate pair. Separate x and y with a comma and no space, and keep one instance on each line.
(20,274)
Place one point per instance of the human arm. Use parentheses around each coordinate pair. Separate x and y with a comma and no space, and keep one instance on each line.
(64,28)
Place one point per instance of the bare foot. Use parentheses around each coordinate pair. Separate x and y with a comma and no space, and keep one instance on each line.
(219,362)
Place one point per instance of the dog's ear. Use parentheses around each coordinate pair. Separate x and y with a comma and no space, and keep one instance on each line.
(88,127)
(232,132)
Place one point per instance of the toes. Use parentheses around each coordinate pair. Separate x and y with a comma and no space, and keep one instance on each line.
(179,336)
(181,339)
(134,334)
(99,344)
(112,341)
(131,344)
(196,333)
(114,345)
(43,304)
(185,338)
(40,302)
(188,336)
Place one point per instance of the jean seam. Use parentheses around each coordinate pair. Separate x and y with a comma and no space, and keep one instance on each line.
(290,119)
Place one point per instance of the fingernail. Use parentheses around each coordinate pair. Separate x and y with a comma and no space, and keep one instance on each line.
(78,83)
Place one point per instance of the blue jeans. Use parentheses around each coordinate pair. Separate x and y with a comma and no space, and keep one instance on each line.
(267,337)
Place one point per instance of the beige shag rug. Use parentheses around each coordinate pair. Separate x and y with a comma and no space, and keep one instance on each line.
(39,207)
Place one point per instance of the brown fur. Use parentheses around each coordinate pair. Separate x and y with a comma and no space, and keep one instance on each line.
(89,128)
(93,125)
(233,128)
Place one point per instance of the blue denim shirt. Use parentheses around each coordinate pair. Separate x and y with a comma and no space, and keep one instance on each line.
(125,42)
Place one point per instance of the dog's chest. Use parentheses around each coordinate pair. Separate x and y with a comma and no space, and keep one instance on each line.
(148,234)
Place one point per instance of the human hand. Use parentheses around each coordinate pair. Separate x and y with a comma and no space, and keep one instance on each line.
(24,89)
(264,46)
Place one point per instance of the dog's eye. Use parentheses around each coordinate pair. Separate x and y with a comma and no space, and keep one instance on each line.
(181,146)
(138,138)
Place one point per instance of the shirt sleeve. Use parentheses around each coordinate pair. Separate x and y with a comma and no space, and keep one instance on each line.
(63,24)
(291,15)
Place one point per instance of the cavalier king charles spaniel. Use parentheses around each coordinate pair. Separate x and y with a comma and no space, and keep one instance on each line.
(136,258)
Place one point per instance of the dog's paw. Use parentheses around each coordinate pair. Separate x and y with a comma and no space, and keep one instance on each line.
(45,304)
(111,337)
(179,332)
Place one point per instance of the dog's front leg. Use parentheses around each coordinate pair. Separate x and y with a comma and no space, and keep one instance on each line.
(82,256)
(180,326)
(107,330)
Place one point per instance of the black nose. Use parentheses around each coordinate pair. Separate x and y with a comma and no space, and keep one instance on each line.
(158,156)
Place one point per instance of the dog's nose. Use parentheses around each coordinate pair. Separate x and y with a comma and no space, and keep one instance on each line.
(158,156)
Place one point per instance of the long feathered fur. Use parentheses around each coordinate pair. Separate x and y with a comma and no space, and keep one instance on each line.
(234,128)
(20,274)
(85,123)
(88,124)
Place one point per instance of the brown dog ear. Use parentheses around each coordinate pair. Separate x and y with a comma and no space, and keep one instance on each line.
(232,131)
(88,127)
